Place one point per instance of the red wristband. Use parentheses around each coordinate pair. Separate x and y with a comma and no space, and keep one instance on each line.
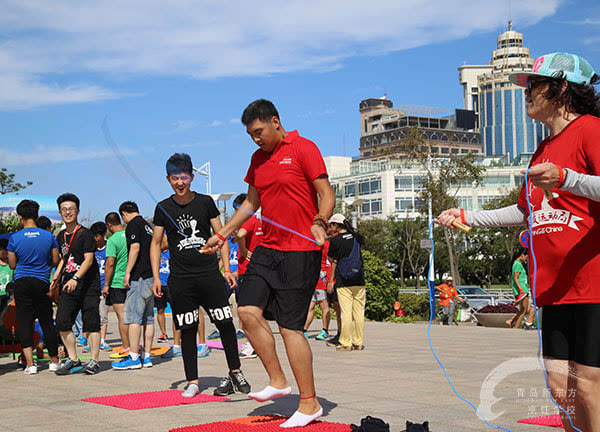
(227,271)
(220,236)
(463,216)
(561,177)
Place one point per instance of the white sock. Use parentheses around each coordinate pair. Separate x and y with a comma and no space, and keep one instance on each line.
(300,420)
(146,355)
(269,393)
(134,356)
(176,346)
(101,341)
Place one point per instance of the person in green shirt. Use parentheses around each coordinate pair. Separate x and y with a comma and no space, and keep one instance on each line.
(6,273)
(114,272)
(520,288)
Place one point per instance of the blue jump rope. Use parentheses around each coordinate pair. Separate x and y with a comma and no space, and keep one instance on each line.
(539,353)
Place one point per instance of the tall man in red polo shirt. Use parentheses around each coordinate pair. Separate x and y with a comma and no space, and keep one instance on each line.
(285,176)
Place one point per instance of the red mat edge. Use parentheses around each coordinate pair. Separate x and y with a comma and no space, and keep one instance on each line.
(242,425)
(553,420)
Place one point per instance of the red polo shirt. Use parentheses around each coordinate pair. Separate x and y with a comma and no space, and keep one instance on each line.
(283,181)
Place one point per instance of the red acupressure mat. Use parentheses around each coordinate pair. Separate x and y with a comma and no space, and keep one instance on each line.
(262,424)
(156,399)
(550,420)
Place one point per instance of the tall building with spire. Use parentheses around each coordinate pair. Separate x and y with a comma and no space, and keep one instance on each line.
(500,105)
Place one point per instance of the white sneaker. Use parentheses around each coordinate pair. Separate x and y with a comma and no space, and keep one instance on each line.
(30,370)
(54,366)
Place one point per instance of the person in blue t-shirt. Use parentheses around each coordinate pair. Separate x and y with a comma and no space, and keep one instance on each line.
(99,230)
(161,302)
(31,253)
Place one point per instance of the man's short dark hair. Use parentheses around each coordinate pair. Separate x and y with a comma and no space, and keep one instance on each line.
(98,228)
(128,207)
(238,200)
(179,163)
(67,197)
(113,218)
(260,109)
(3,243)
(28,209)
(43,223)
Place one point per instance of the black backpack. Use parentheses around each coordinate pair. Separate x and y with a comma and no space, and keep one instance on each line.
(371,424)
(351,267)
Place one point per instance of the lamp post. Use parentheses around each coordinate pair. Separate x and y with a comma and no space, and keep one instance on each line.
(205,171)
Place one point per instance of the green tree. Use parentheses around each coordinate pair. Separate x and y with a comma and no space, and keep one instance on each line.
(377,235)
(9,222)
(406,236)
(8,183)
(380,286)
(443,180)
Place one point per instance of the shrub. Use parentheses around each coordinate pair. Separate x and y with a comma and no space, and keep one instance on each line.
(415,306)
(381,289)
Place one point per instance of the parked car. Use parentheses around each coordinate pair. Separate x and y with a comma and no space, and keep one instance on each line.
(477,297)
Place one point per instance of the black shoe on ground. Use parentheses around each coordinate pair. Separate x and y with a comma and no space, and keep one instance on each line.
(239,382)
(334,341)
(225,387)
(69,367)
(92,367)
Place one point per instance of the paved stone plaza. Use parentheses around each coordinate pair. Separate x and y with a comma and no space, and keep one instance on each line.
(395,378)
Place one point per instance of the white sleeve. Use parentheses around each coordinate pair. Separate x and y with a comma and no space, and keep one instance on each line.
(507,216)
(587,186)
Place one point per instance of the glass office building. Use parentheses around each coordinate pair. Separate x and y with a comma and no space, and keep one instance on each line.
(502,115)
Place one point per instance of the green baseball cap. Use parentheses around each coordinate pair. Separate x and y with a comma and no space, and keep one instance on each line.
(574,68)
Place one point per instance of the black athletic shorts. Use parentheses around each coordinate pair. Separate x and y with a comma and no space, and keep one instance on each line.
(282,283)
(85,298)
(161,302)
(188,294)
(116,296)
(570,332)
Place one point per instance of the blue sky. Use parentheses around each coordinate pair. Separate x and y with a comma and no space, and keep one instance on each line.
(176,76)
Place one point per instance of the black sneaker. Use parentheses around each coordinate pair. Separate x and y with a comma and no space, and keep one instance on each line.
(225,387)
(92,367)
(69,367)
(334,341)
(239,382)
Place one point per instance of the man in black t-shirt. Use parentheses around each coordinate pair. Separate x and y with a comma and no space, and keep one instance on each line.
(78,278)
(139,303)
(195,279)
(351,291)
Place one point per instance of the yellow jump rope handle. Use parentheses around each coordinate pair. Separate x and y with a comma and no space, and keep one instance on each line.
(461,226)
(548,194)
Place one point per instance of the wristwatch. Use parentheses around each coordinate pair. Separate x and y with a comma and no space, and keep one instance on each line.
(76,278)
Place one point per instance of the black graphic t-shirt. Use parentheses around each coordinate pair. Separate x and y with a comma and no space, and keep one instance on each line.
(140,231)
(194,221)
(83,242)
(340,246)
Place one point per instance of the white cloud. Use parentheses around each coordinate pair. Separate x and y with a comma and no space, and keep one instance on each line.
(182,125)
(52,154)
(215,123)
(44,41)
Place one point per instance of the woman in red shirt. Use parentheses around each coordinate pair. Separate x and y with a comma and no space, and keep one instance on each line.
(566,239)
